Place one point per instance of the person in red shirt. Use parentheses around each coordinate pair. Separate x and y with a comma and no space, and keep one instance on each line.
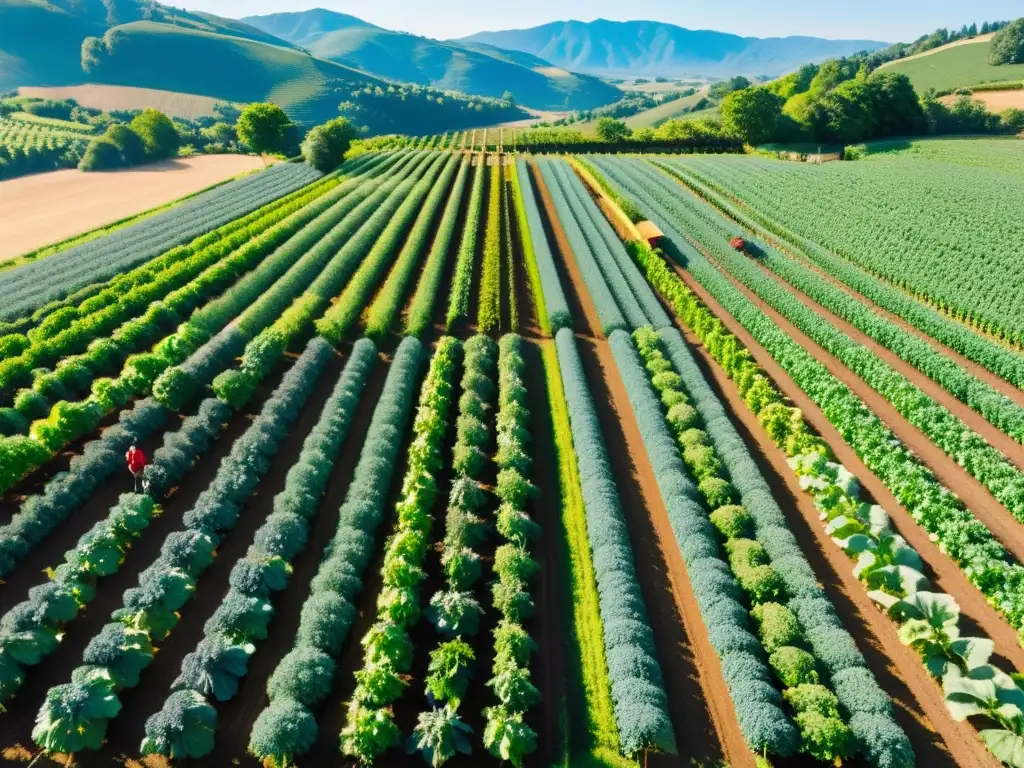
(136,463)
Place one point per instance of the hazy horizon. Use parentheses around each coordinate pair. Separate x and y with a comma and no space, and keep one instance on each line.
(868,20)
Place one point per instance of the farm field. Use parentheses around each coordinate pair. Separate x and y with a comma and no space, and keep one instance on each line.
(123,97)
(955,66)
(447,463)
(90,200)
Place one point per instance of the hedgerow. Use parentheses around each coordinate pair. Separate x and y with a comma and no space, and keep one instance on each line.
(287,728)
(637,691)
(462,281)
(489,314)
(608,311)
(219,662)
(379,682)
(116,656)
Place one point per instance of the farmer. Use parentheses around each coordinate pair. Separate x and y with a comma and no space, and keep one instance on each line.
(136,463)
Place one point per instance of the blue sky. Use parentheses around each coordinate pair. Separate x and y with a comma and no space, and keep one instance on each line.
(867,19)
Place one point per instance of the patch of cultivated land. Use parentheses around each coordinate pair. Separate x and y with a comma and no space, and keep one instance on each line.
(50,207)
(114,97)
(994,101)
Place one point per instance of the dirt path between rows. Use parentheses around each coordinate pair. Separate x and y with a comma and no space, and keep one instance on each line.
(700,708)
(944,573)
(936,738)
(974,495)
(56,669)
(995,437)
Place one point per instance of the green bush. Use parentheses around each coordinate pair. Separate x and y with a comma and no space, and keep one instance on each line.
(776,625)
(794,666)
(733,522)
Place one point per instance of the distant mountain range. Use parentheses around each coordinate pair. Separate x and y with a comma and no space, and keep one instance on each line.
(651,48)
(478,69)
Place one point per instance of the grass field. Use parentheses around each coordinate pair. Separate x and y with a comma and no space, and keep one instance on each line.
(436,458)
(120,97)
(956,66)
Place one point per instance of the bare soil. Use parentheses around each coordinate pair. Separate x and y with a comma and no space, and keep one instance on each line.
(994,101)
(86,201)
(108,97)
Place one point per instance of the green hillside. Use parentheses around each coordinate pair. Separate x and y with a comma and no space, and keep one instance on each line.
(959,66)
(652,118)
(171,58)
(477,69)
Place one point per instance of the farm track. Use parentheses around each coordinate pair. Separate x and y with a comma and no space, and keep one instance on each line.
(974,495)
(18,722)
(917,701)
(701,711)
(978,617)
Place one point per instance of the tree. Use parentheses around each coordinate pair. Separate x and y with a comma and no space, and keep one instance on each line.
(613,131)
(1007,46)
(128,142)
(101,155)
(752,114)
(845,114)
(325,146)
(266,128)
(897,111)
(157,132)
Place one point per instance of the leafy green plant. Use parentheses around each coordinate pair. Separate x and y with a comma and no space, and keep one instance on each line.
(449,672)
(439,735)
(507,737)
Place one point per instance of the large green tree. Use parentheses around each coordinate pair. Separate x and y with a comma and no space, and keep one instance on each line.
(325,146)
(157,132)
(613,131)
(897,110)
(1007,47)
(128,142)
(752,114)
(266,128)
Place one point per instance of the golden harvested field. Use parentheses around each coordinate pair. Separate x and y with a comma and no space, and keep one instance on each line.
(49,207)
(108,97)
(994,101)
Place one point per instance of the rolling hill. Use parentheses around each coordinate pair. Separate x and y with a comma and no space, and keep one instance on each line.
(958,65)
(616,49)
(477,69)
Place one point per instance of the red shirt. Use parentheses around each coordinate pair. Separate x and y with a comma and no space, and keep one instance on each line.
(136,460)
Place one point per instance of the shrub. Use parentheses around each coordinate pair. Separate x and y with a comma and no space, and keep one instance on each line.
(732,522)
(776,625)
(794,666)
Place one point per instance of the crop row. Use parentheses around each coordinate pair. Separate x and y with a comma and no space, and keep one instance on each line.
(462,281)
(508,174)
(989,466)
(382,313)
(344,314)
(186,724)
(608,311)
(178,366)
(74,716)
(835,702)
(112,331)
(287,728)
(981,350)
(907,238)
(369,729)
(547,288)
(958,533)
(63,273)
(489,315)
(31,630)
(421,307)
(637,688)
(628,285)
(506,735)
(311,290)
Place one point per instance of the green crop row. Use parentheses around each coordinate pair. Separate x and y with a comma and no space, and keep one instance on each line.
(489,315)
(186,725)
(370,729)
(462,282)
(287,729)
(75,715)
